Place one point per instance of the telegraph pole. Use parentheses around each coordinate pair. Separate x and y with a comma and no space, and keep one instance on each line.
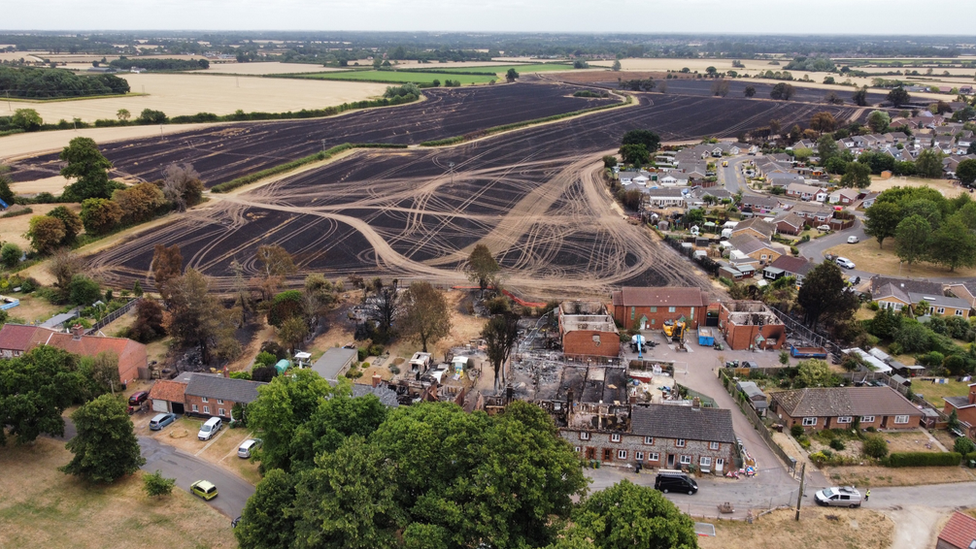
(799,497)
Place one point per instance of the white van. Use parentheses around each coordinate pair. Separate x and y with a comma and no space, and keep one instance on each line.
(210,428)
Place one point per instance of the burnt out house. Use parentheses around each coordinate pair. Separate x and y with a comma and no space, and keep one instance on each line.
(750,325)
(675,436)
(587,331)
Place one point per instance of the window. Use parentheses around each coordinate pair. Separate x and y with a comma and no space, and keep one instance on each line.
(221,412)
(596,339)
(195,409)
(809,421)
(845,419)
(204,399)
(639,456)
(941,310)
(713,445)
(867,419)
(579,449)
(653,309)
(633,312)
(621,454)
(680,443)
(615,437)
(653,456)
(670,309)
(648,440)
(607,454)
(220,401)
(684,460)
(584,436)
(206,409)
(958,312)
(705,461)
(719,462)
(901,419)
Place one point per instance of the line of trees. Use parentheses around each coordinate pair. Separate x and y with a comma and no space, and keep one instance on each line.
(159,64)
(41,83)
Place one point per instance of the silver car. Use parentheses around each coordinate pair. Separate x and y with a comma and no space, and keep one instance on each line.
(844,262)
(246,447)
(839,496)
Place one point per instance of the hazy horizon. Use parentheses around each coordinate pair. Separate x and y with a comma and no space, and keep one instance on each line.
(829,17)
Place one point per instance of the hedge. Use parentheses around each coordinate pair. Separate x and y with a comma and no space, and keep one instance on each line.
(516,125)
(288,166)
(922,459)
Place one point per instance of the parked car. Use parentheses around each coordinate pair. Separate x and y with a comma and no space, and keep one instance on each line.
(852,239)
(160,421)
(844,262)
(203,488)
(839,496)
(673,480)
(210,428)
(138,398)
(749,364)
(248,446)
(824,228)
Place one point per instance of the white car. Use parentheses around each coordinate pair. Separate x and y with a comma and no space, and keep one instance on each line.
(844,262)
(852,239)
(839,496)
(248,446)
(825,228)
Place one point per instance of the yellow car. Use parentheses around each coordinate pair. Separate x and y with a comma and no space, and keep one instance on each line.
(204,489)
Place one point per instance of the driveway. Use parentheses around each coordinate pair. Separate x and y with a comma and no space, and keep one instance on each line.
(186,469)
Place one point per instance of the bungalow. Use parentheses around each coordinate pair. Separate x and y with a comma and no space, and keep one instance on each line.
(626,178)
(964,290)
(778,179)
(760,204)
(653,435)
(788,223)
(16,339)
(756,227)
(674,177)
(844,196)
(758,250)
(803,191)
(650,308)
(942,305)
(869,199)
(665,198)
(815,214)
(960,531)
(837,407)
(965,408)
(786,265)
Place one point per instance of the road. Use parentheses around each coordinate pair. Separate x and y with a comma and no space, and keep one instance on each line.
(233,491)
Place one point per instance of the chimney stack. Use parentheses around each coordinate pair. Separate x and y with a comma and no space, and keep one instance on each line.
(696,403)
(77,331)
(377,380)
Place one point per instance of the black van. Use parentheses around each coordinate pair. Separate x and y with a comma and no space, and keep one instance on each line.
(672,480)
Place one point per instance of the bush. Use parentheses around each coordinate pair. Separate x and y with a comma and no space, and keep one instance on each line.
(362,353)
(875,447)
(837,444)
(155,485)
(804,441)
(241,375)
(964,446)
(375,350)
(265,359)
(923,459)
(796,431)
(498,305)
(29,285)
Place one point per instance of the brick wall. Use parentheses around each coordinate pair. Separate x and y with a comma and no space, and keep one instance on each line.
(213,407)
(601,447)
(656,319)
(581,342)
(830,422)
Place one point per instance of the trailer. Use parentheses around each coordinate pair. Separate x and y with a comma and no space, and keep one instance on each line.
(807,352)
(705,337)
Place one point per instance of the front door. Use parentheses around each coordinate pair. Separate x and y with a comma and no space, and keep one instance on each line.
(643,323)
(607,454)
(590,452)
(670,461)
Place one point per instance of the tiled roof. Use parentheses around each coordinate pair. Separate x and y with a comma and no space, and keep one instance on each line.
(89,345)
(790,264)
(845,401)
(756,224)
(667,296)
(960,531)
(907,285)
(939,300)
(387,396)
(17,337)
(224,388)
(171,391)
(747,244)
(668,421)
(958,402)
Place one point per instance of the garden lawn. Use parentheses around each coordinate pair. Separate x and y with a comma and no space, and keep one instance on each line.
(934,392)
(400,77)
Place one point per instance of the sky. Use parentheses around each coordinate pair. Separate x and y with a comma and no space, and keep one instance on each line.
(629,16)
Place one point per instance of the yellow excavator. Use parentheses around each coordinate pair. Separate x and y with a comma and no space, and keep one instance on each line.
(674,330)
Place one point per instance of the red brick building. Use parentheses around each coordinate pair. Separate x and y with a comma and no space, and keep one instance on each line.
(965,407)
(750,324)
(16,339)
(586,330)
(649,308)
(958,533)
(837,407)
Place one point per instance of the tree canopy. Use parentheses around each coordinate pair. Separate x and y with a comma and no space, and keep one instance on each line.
(426,316)
(824,295)
(105,448)
(650,140)
(35,389)
(86,164)
(482,267)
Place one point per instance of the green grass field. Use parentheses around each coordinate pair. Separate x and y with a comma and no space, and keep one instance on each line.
(502,69)
(400,77)
(934,392)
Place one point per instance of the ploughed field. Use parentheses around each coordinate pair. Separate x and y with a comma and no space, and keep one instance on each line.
(224,152)
(534,196)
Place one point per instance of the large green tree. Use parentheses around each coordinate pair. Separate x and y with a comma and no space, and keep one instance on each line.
(860,97)
(878,121)
(881,221)
(100,215)
(899,96)
(634,153)
(856,175)
(482,268)
(913,236)
(929,164)
(501,336)
(265,524)
(827,149)
(650,140)
(813,372)
(35,389)
(105,448)
(954,244)
(627,516)
(335,419)
(966,171)
(27,120)
(86,164)
(197,319)
(426,316)
(824,295)
(72,223)
(46,233)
